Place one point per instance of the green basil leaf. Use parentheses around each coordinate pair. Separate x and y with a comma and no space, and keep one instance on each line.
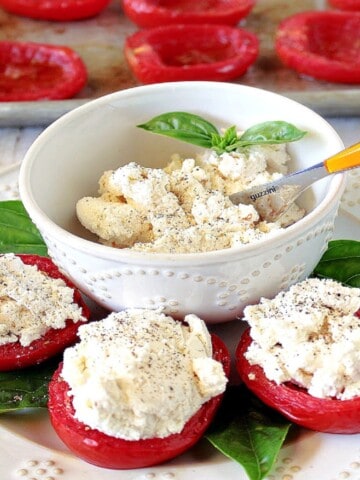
(341,262)
(26,388)
(182,126)
(193,129)
(222,143)
(248,432)
(18,234)
(268,133)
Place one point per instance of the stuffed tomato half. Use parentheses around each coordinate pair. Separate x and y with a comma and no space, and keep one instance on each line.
(295,403)
(305,365)
(139,389)
(40,311)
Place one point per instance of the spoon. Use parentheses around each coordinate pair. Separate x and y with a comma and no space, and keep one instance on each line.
(273,199)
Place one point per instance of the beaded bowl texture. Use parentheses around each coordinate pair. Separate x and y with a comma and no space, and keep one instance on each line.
(66,161)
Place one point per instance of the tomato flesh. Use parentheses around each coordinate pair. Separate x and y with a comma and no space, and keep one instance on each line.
(320,414)
(190,52)
(32,71)
(14,355)
(105,451)
(327,38)
(322,44)
(153,13)
(56,10)
(345,4)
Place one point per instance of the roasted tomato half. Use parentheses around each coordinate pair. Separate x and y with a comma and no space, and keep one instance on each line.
(320,414)
(190,52)
(14,355)
(55,10)
(321,44)
(105,451)
(34,71)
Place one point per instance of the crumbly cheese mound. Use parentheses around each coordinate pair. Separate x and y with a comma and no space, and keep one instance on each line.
(185,207)
(141,374)
(236,171)
(31,302)
(309,335)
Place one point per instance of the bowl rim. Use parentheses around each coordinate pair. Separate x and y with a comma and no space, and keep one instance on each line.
(126,255)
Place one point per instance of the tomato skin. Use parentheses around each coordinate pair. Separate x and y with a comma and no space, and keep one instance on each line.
(153,13)
(345,4)
(321,44)
(109,452)
(14,355)
(34,71)
(167,53)
(55,10)
(319,414)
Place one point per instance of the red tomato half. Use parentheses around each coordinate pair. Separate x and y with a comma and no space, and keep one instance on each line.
(57,10)
(345,4)
(34,71)
(153,13)
(320,414)
(105,451)
(14,355)
(190,52)
(322,44)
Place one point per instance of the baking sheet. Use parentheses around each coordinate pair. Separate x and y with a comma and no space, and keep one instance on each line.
(100,42)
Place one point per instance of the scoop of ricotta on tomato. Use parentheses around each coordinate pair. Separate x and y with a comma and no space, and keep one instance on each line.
(31,302)
(309,335)
(141,374)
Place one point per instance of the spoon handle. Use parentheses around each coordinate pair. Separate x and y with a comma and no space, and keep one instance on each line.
(344,160)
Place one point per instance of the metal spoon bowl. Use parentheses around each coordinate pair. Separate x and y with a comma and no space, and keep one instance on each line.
(273,199)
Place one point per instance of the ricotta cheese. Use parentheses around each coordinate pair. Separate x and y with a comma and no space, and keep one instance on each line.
(309,335)
(31,302)
(185,207)
(141,374)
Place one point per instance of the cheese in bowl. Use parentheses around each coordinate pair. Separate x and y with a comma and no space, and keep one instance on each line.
(185,207)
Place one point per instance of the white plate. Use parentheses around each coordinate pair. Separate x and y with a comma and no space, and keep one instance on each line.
(29,449)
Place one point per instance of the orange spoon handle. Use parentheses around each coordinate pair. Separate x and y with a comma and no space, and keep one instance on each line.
(348,158)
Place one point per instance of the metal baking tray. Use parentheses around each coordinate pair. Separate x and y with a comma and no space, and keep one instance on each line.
(100,42)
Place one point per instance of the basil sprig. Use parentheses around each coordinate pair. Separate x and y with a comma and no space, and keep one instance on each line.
(193,129)
(18,234)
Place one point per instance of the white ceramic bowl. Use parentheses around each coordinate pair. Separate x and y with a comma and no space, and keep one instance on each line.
(66,161)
